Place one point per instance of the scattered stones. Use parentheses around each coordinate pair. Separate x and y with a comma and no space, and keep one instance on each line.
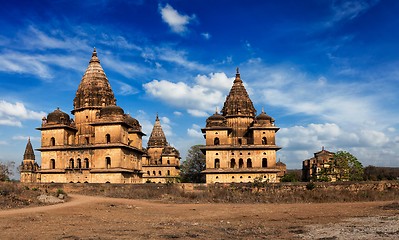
(49,199)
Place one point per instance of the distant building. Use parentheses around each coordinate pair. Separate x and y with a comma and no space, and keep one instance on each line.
(240,146)
(321,167)
(161,162)
(29,168)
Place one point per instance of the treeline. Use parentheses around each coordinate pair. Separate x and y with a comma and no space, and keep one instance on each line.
(372,173)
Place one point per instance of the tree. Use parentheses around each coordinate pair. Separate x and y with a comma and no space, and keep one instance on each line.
(191,169)
(6,171)
(347,167)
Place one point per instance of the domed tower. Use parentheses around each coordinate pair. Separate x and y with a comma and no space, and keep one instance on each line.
(102,145)
(29,167)
(157,137)
(239,110)
(240,146)
(93,94)
(161,161)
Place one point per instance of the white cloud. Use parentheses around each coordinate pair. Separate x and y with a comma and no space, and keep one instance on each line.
(215,80)
(18,110)
(197,99)
(12,114)
(369,146)
(195,132)
(177,113)
(11,122)
(176,21)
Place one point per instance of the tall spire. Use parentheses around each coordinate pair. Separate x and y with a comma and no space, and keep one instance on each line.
(157,138)
(29,154)
(94,89)
(238,102)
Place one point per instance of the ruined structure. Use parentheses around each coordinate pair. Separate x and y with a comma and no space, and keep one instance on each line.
(29,168)
(102,144)
(320,167)
(161,162)
(240,146)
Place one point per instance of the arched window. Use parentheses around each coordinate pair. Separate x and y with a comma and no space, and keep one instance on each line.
(249,163)
(264,141)
(168,162)
(160,173)
(108,162)
(217,163)
(87,163)
(168,173)
(148,173)
(240,163)
(160,161)
(153,173)
(71,163)
(79,163)
(108,138)
(264,162)
(239,141)
(52,164)
(232,163)
(216,141)
(52,141)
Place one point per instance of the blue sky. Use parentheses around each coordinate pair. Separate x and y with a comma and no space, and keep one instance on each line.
(327,71)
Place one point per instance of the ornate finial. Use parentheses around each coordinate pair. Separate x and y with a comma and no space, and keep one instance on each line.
(263,109)
(238,78)
(94,52)
(216,110)
(157,118)
(322,148)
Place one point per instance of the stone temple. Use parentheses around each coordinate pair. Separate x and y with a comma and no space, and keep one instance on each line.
(240,145)
(101,145)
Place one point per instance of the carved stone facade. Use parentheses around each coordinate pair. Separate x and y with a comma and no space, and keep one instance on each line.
(29,168)
(240,146)
(102,144)
(161,162)
(320,167)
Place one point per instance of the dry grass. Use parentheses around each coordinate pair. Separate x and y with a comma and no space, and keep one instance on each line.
(23,195)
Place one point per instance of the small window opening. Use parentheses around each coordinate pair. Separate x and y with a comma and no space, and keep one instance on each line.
(108,162)
(217,163)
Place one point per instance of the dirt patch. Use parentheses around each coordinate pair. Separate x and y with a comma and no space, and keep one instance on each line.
(89,217)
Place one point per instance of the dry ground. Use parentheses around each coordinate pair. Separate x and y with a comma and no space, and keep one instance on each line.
(88,217)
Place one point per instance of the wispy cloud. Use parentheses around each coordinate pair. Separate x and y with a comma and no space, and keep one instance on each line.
(206,35)
(177,22)
(125,89)
(343,10)
(37,39)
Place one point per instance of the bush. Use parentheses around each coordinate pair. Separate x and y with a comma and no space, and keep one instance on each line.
(60,191)
(310,186)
